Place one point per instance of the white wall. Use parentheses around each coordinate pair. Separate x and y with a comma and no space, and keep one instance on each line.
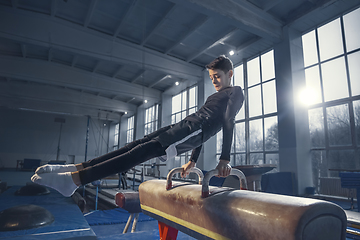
(26,134)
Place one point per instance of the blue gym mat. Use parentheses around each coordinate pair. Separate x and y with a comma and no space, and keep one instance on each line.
(112,216)
(69,220)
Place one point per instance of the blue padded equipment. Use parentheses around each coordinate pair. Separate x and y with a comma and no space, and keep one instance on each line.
(32,190)
(24,217)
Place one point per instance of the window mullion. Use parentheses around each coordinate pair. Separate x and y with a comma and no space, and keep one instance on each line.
(326,132)
(351,109)
(345,56)
(246,105)
(262,108)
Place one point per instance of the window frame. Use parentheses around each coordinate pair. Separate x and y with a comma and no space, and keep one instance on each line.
(116,136)
(130,132)
(247,153)
(327,149)
(153,123)
(184,111)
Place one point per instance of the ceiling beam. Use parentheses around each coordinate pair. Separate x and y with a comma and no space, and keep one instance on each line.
(126,15)
(50,54)
(56,108)
(96,66)
(210,45)
(54,7)
(240,14)
(74,60)
(138,75)
(270,4)
(316,8)
(14,3)
(132,99)
(55,33)
(117,71)
(191,30)
(90,12)
(159,81)
(23,50)
(59,75)
(59,95)
(247,44)
(163,19)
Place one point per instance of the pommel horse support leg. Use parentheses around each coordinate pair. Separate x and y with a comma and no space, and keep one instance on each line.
(131,203)
(239,214)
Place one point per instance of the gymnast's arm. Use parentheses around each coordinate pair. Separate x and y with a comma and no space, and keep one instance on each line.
(192,162)
(235,102)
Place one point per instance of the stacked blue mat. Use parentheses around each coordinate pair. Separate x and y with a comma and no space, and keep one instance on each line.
(69,221)
(351,180)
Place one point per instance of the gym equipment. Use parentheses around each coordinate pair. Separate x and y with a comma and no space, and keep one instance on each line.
(32,189)
(226,213)
(129,200)
(24,217)
(69,220)
(351,180)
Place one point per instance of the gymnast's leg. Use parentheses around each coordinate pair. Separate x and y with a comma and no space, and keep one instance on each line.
(139,154)
(77,167)
(67,183)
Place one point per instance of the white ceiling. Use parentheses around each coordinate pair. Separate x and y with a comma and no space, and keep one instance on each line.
(105,57)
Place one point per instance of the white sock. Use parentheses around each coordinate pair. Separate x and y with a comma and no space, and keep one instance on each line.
(62,182)
(48,168)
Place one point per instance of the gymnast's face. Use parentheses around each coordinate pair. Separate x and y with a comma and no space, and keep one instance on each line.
(220,79)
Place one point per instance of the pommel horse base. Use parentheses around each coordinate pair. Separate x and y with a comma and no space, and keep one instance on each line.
(129,201)
(238,214)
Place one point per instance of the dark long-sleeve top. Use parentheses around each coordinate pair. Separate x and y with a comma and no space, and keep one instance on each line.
(218,112)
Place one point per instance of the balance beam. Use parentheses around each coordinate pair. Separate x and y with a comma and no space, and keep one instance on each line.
(240,214)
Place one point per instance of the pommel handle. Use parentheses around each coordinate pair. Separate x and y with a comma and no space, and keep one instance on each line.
(205,186)
(180,170)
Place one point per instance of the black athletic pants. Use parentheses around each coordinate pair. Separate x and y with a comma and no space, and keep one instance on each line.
(124,158)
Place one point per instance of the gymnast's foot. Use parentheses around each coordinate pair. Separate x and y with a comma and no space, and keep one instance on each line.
(62,182)
(50,168)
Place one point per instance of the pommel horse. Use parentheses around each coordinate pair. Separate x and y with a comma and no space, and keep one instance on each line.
(205,212)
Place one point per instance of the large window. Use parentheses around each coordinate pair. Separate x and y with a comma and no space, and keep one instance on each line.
(183,104)
(130,130)
(116,137)
(332,60)
(151,119)
(256,130)
(151,124)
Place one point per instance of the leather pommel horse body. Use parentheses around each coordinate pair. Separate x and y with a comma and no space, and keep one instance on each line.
(239,214)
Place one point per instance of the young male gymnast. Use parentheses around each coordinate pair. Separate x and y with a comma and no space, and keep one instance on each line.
(217,113)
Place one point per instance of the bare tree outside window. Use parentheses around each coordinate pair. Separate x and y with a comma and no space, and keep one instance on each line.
(356,105)
(338,125)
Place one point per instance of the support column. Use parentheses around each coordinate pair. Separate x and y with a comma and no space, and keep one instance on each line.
(139,122)
(208,161)
(166,107)
(294,137)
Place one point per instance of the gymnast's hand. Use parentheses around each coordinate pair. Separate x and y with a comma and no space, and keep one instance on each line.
(187,168)
(224,168)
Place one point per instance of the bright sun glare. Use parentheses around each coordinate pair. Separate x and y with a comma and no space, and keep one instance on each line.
(307,96)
